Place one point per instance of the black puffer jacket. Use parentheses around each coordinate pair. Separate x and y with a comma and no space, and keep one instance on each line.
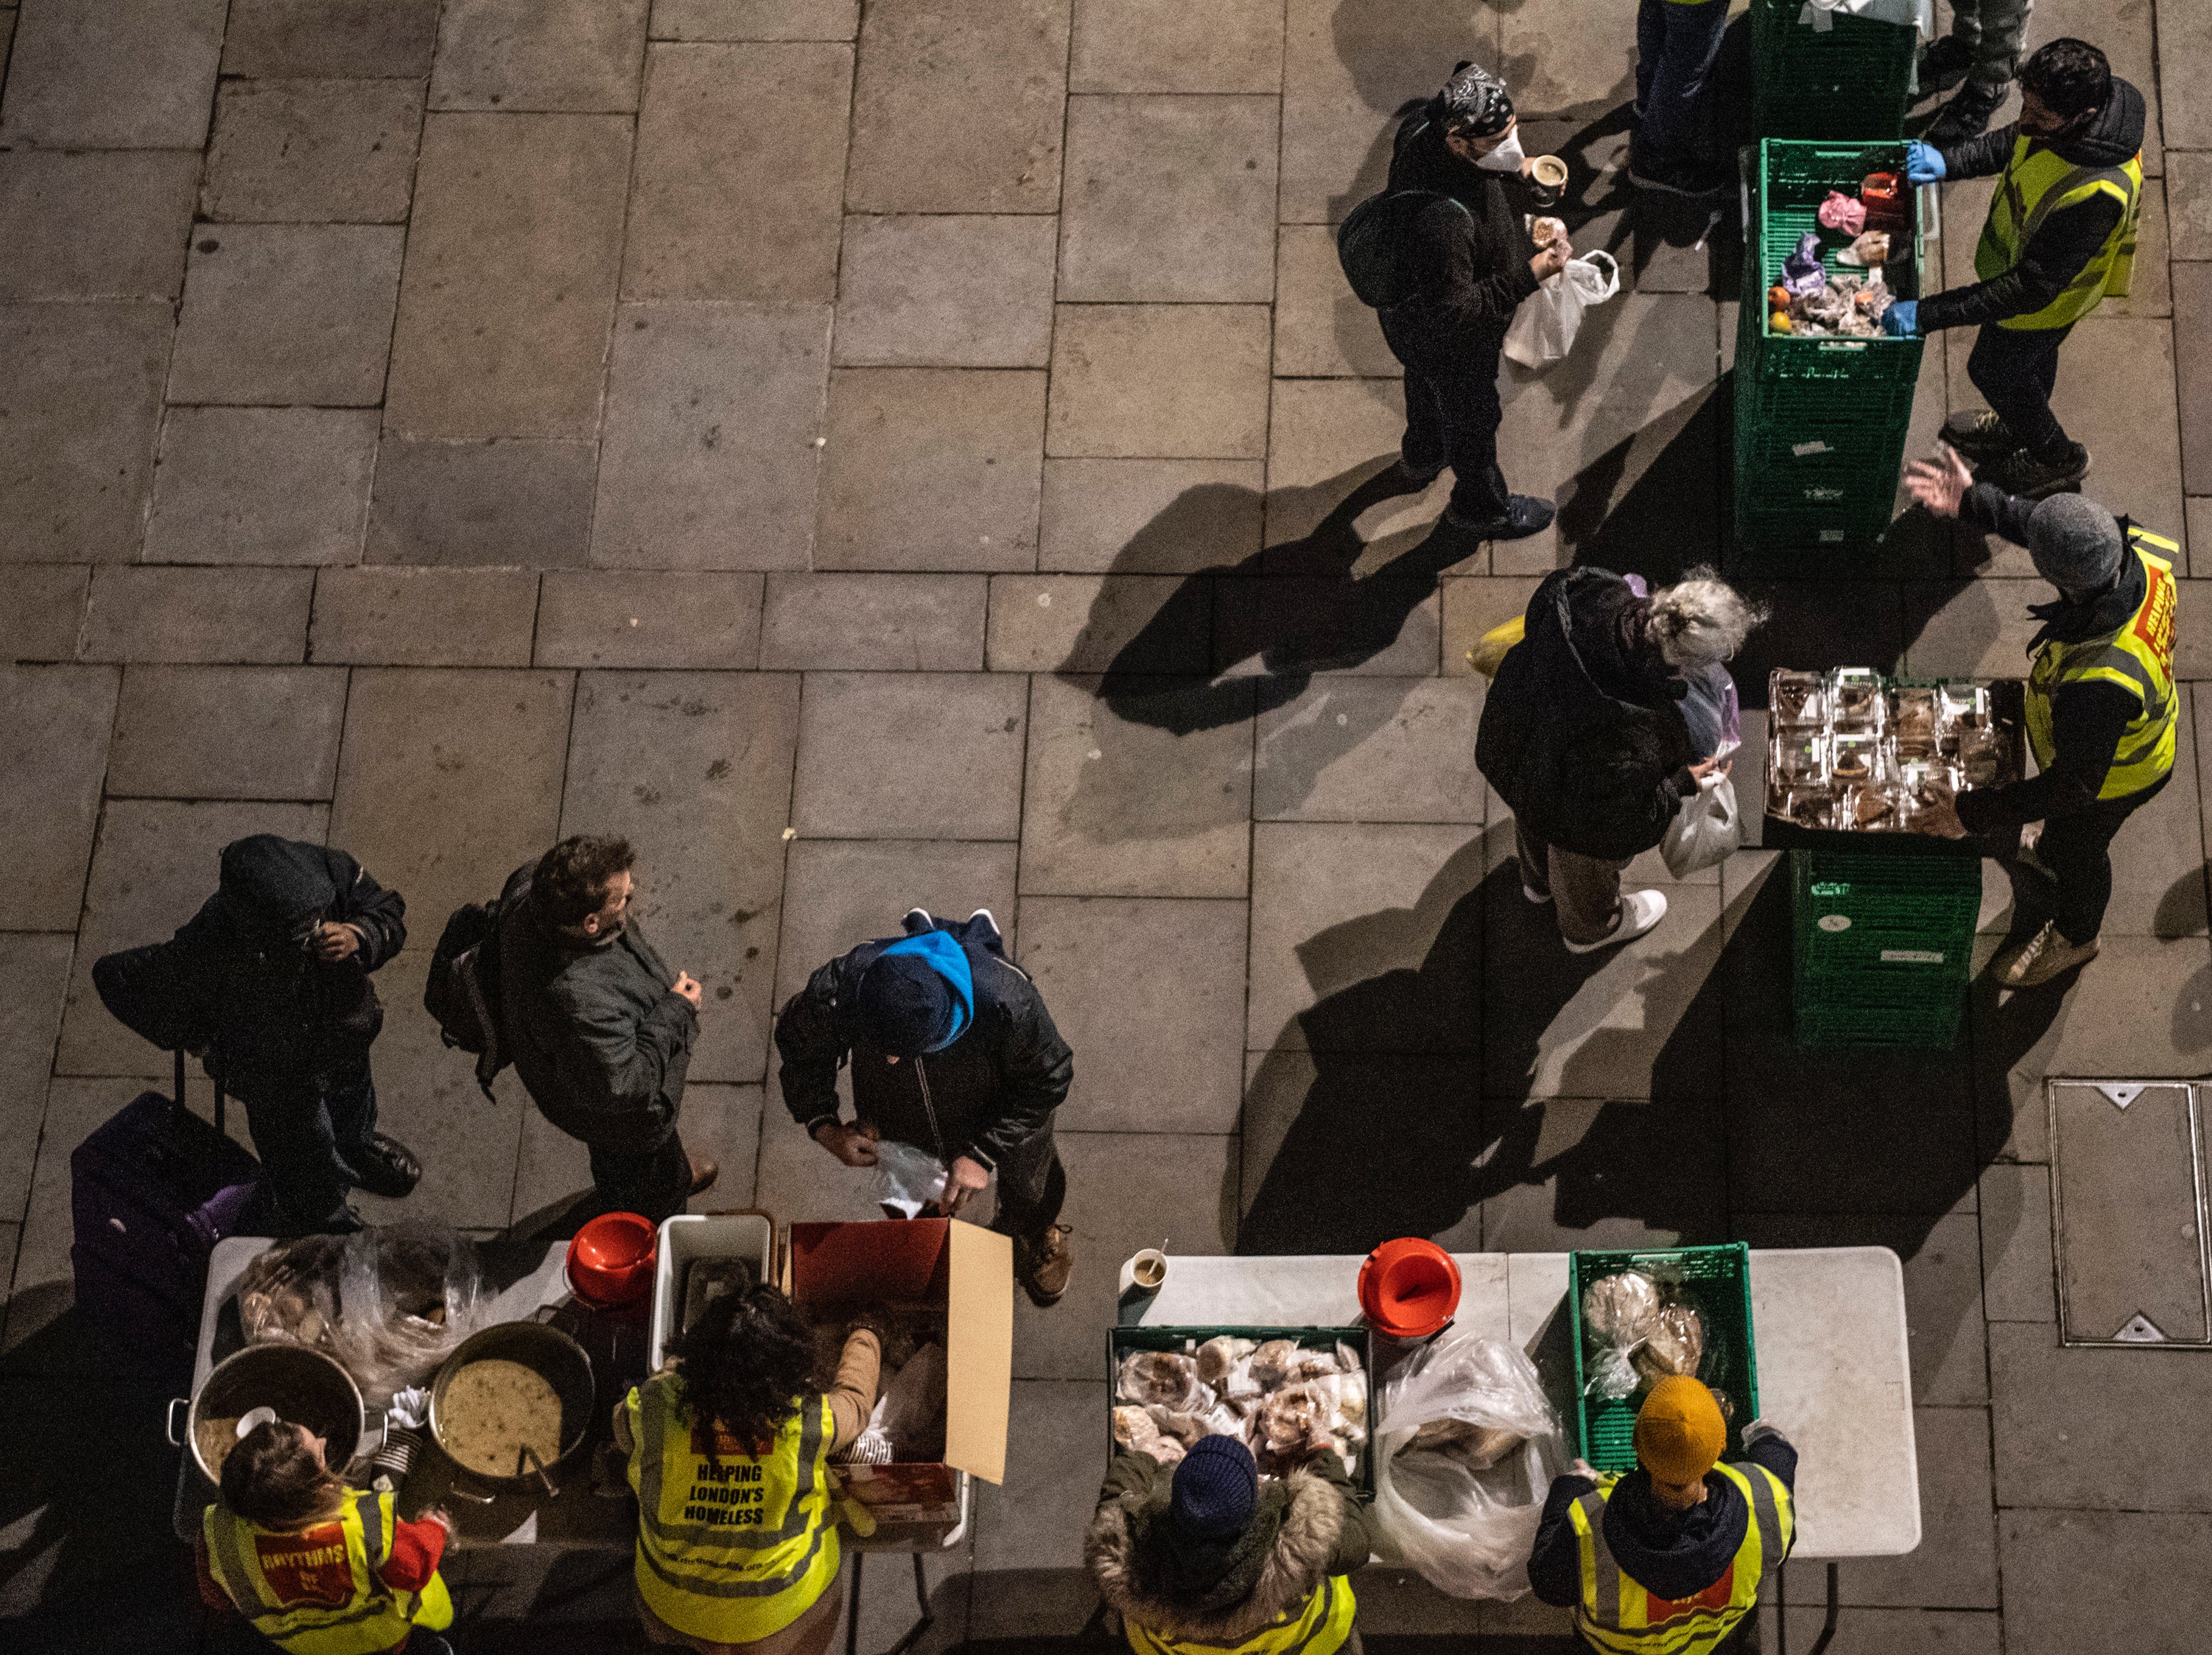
(980,1097)
(240,979)
(601,1040)
(1470,270)
(1583,733)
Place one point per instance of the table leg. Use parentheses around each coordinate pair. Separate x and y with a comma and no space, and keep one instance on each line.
(1835,1609)
(926,1616)
(853,1608)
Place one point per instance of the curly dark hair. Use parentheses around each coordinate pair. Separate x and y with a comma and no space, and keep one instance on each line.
(2069,76)
(749,1363)
(571,880)
(273,1478)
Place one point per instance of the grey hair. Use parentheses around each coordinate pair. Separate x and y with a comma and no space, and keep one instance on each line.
(1701,619)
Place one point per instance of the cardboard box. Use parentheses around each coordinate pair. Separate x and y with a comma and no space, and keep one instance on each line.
(747,1235)
(837,1268)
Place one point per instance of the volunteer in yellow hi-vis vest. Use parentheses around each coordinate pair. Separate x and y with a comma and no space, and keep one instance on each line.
(2101,701)
(2061,237)
(1207,1560)
(1666,1559)
(729,1451)
(318,1568)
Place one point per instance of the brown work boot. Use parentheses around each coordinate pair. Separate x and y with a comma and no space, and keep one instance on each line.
(705,1169)
(1042,1265)
(2042,957)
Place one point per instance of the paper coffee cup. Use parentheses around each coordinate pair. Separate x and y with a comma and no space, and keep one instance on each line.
(1144,1272)
(1549,171)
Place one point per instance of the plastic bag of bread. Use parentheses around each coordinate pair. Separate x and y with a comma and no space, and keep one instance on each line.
(1618,1308)
(1165,1377)
(1674,1343)
(1480,1447)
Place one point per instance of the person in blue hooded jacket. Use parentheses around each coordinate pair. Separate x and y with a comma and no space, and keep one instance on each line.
(953,1053)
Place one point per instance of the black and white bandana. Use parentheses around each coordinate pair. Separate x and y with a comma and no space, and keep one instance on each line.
(1476,103)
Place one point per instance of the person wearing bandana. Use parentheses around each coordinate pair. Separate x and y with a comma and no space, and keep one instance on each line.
(1468,262)
(952,1053)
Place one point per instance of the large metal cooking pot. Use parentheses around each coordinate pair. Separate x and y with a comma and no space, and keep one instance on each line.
(545,1350)
(303,1386)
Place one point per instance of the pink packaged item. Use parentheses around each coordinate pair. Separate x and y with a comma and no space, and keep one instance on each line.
(1844,213)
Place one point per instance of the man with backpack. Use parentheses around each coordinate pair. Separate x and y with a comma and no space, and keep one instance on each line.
(1444,256)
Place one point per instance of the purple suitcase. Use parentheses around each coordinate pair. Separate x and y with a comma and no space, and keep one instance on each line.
(151,1193)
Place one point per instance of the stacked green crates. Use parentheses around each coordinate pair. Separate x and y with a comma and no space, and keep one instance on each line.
(1820,422)
(1850,80)
(1716,1281)
(1882,944)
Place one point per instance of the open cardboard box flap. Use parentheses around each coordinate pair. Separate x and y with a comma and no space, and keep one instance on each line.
(968,1270)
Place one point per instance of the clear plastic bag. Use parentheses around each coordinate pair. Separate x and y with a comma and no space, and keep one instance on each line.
(408,1294)
(1465,1526)
(290,1293)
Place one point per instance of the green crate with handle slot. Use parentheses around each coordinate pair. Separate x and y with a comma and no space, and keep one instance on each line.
(1716,1280)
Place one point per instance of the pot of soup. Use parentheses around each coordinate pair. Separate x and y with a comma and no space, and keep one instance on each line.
(511,1403)
(263,1382)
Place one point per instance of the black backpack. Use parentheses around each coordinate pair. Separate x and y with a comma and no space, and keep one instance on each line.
(462,989)
(1372,239)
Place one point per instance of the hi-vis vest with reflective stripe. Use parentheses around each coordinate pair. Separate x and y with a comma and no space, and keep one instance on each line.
(1618,1615)
(2139,657)
(735,1548)
(315,1590)
(2035,184)
(1319,1627)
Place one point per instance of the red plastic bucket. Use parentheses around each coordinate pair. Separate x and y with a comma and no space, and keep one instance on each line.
(610,1260)
(1408,1288)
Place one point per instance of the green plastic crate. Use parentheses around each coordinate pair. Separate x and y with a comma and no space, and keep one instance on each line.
(1717,1280)
(1852,80)
(1120,1341)
(1882,946)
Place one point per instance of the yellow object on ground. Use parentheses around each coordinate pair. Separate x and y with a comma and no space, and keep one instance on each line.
(1484,657)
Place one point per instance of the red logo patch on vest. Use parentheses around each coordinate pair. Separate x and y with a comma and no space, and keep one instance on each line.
(1659,1611)
(2155,620)
(726,1446)
(309,1568)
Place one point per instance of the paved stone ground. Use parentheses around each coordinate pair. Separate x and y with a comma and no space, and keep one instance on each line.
(911,453)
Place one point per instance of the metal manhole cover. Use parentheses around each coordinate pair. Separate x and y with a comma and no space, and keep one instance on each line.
(2128,1209)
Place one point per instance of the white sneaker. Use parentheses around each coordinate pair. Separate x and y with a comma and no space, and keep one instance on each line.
(916,921)
(1541,899)
(1639,911)
(990,920)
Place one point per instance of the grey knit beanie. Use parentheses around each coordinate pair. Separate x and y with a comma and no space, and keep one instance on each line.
(2075,543)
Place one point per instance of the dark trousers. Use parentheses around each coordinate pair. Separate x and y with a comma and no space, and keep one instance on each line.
(305,1130)
(2077,851)
(2015,369)
(653,1184)
(1991,30)
(1675,46)
(1452,415)
(1032,1185)
(1585,890)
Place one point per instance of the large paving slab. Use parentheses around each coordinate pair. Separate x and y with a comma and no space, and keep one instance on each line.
(44,612)
(283,313)
(1169,198)
(1582,1172)
(262,485)
(334,38)
(1324,437)
(2143,1558)
(482,502)
(91,75)
(1119,623)
(1163,45)
(156,862)
(710,455)
(80,388)
(1155,1055)
(109,226)
(946,290)
(1159,381)
(695,768)
(33,979)
(1144,789)
(1148,516)
(449,780)
(2095,1429)
(511,257)
(610,618)
(577,56)
(740,155)
(425,617)
(874,622)
(227,732)
(2189,204)
(958,106)
(910,756)
(53,757)
(756,20)
(2192,308)
(1322,327)
(186,615)
(2017,1253)
(313,152)
(839,893)
(932,469)
(1029,1580)
(1372,749)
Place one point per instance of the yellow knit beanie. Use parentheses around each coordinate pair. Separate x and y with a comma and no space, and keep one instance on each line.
(1679,1431)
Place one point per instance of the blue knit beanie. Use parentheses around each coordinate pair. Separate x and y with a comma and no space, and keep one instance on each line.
(918,995)
(1216,1487)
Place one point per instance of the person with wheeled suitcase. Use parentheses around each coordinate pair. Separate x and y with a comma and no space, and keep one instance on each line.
(269,984)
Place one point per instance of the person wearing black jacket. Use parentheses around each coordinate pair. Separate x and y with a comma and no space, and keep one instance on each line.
(953,1053)
(2060,237)
(269,984)
(599,1029)
(1469,262)
(2102,705)
(1602,719)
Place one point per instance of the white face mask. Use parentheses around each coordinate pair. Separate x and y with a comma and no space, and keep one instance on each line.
(1506,157)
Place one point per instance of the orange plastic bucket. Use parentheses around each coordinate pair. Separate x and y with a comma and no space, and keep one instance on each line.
(611,1259)
(1408,1288)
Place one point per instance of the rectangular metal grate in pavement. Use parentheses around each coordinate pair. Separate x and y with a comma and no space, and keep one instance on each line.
(2128,1206)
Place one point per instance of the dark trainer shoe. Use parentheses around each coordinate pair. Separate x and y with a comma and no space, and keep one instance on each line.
(385,1166)
(1979,436)
(1042,1265)
(2022,473)
(1672,178)
(705,1169)
(1944,64)
(1966,116)
(1525,515)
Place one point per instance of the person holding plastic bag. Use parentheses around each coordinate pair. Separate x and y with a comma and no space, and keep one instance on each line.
(1209,1561)
(1665,1560)
(1545,326)
(1468,1446)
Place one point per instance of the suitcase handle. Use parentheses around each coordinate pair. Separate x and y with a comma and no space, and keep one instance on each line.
(178,1095)
(176,1439)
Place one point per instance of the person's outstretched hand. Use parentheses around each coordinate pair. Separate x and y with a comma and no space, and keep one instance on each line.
(1902,319)
(854,1145)
(1551,260)
(1939,484)
(1923,163)
(686,986)
(964,1177)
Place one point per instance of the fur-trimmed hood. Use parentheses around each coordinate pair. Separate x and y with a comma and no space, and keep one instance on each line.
(1125,1546)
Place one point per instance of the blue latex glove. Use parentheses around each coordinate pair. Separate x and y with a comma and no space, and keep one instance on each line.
(1923,163)
(1902,319)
